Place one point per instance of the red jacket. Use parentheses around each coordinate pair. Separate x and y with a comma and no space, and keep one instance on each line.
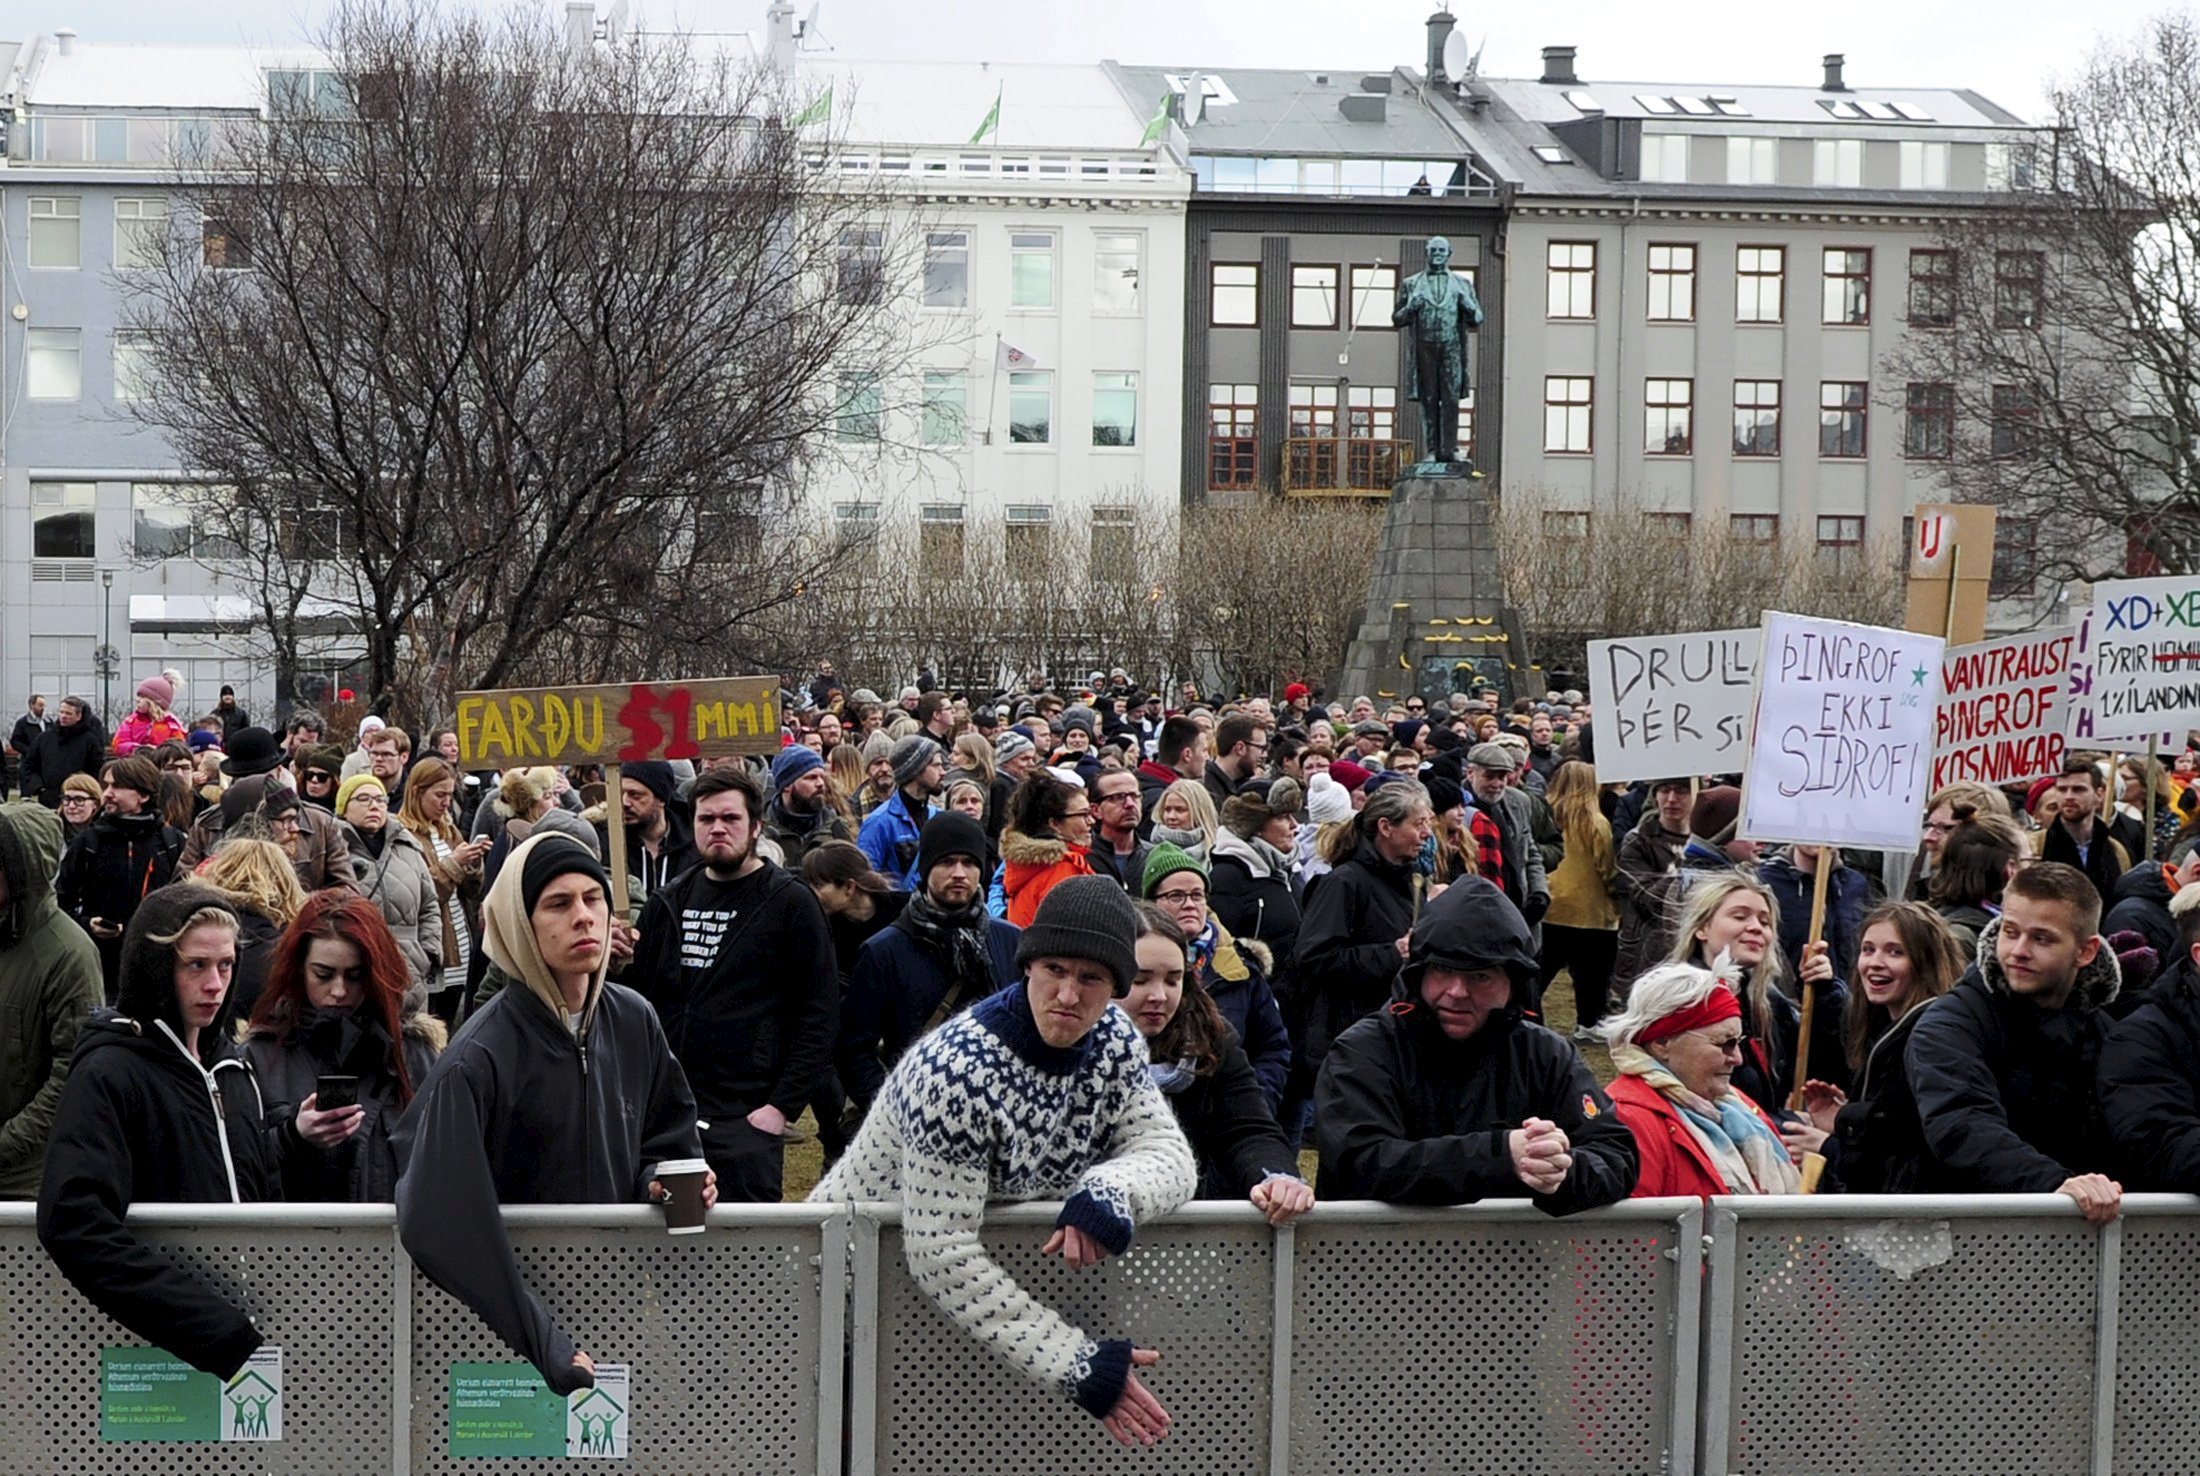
(1673,1161)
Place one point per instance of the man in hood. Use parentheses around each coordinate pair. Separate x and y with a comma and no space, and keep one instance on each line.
(1452,1095)
(2149,1076)
(2003,1065)
(561,1090)
(49,983)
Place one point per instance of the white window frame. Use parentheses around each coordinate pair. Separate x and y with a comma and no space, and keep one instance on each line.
(1752,160)
(56,209)
(933,246)
(1115,382)
(1137,243)
(1042,244)
(1031,381)
(43,352)
(1664,158)
(1837,163)
(135,223)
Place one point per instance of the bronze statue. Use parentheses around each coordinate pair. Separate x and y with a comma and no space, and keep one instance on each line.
(1439,310)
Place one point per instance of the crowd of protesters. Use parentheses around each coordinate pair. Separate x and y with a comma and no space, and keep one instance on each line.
(1080,942)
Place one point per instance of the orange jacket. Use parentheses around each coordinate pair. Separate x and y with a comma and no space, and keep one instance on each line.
(1032,866)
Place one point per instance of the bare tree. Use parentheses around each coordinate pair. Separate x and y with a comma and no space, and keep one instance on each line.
(1267,590)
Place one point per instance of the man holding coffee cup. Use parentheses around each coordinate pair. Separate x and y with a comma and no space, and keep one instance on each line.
(499,1120)
(1040,1091)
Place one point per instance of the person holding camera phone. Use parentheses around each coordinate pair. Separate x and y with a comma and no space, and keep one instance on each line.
(339,1045)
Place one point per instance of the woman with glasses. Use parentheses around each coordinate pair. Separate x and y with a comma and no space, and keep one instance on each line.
(79,805)
(1046,842)
(393,871)
(1232,972)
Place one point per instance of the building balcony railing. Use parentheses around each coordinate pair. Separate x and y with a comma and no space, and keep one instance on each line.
(1341,466)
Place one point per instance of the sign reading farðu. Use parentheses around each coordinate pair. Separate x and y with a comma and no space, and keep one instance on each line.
(707,718)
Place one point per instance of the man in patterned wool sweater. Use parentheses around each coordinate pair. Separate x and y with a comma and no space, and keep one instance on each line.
(1038,1092)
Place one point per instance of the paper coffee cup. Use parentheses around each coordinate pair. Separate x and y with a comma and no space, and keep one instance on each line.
(683,1180)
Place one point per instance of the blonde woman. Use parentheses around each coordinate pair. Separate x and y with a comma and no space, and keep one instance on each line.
(1581,931)
(261,885)
(456,865)
(844,765)
(973,754)
(1185,817)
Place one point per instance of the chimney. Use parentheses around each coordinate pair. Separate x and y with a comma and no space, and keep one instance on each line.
(779,47)
(580,25)
(1439,31)
(1833,82)
(64,41)
(1558,66)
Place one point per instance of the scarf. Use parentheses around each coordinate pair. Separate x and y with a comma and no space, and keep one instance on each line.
(1171,1077)
(1192,842)
(956,940)
(1201,952)
(1278,863)
(1750,1157)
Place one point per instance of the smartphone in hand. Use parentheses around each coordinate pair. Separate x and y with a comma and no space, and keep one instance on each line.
(332,1092)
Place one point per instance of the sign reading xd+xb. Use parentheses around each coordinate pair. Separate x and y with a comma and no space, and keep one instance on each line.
(2001,709)
(2136,679)
(707,718)
(1842,742)
(1673,705)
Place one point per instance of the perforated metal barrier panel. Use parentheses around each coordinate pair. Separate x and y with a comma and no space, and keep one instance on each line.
(2158,1347)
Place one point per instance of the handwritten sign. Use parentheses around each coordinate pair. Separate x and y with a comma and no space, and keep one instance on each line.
(707,718)
(2001,709)
(1673,705)
(2122,688)
(1842,742)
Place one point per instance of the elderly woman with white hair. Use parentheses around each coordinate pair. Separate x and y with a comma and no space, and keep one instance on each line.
(1675,1047)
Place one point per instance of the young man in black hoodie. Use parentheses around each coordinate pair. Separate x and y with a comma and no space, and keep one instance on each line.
(156,1111)
(737,958)
(1451,1096)
(499,1120)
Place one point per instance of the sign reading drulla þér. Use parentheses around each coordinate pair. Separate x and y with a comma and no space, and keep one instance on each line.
(1670,706)
(2136,676)
(714,717)
(146,1394)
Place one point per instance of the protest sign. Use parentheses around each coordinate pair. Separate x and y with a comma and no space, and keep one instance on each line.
(1672,705)
(1842,738)
(146,1394)
(505,1410)
(706,718)
(2135,672)
(1951,570)
(2001,709)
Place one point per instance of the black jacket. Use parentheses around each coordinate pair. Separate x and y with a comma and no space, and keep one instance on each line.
(2141,905)
(138,1123)
(757,1024)
(897,985)
(1128,872)
(59,752)
(1225,1115)
(2004,1089)
(1253,898)
(110,868)
(1878,1144)
(1406,1114)
(521,1110)
(652,872)
(363,1169)
(2149,1086)
(1349,929)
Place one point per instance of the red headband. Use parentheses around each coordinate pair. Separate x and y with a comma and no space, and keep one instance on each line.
(1716,1007)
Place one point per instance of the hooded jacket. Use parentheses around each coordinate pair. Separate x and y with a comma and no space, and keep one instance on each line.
(1235,972)
(2141,905)
(1847,897)
(530,1106)
(2004,1088)
(142,1120)
(1348,952)
(402,883)
(2149,1086)
(363,1168)
(49,983)
(109,869)
(59,752)
(1404,1113)
(1032,866)
(1647,886)
(1250,892)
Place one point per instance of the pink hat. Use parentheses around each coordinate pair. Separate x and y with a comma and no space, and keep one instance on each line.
(157,688)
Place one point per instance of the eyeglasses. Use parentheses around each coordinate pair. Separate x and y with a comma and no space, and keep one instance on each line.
(316,776)
(1077,814)
(1178,899)
(78,799)
(1127,797)
(1731,1047)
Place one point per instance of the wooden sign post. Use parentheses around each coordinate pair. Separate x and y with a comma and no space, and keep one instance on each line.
(715,717)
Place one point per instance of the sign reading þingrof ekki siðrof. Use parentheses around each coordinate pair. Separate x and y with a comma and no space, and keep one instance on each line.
(2135,673)
(706,718)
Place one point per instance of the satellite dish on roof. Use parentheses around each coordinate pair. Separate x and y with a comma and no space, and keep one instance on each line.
(1458,60)
(1195,100)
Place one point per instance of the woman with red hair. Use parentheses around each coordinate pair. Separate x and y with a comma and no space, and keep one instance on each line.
(333,1018)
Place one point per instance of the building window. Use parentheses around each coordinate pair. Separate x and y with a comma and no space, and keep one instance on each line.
(855,533)
(1924,165)
(1572,279)
(1932,288)
(1313,411)
(1374,294)
(1233,445)
(1752,161)
(2020,288)
(2016,420)
(1841,408)
(162,526)
(1566,406)
(1756,417)
(226,245)
(1841,541)
(62,520)
(55,370)
(1673,527)
(1837,163)
(1672,284)
(141,232)
(133,365)
(1754,527)
(2012,166)
(1759,274)
(1464,433)
(857,419)
(1848,290)
(1030,534)
(1566,527)
(945,414)
(1313,297)
(940,540)
(57,232)
(1234,290)
(1031,270)
(1031,407)
(1929,422)
(1664,158)
(1117,273)
(1114,409)
(1115,543)
(1667,409)
(1371,436)
(947,269)
(1310,455)
(2016,557)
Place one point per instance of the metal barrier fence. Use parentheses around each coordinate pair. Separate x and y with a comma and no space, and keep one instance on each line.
(1992,1333)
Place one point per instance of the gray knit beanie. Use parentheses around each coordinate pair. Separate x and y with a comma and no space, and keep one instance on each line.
(1087,917)
(877,746)
(1011,744)
(909,756)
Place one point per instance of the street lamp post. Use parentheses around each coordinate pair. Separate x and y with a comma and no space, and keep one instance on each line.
(107,653)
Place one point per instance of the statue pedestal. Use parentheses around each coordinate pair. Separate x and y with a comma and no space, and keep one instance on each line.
(1435,616)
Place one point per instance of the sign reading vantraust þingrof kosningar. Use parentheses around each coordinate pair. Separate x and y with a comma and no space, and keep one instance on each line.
(2001,718)
(2141,663)
(1842,743)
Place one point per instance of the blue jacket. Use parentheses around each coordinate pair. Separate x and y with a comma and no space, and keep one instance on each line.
(1847,900)
(889,838)
(1235,973)
(893,990)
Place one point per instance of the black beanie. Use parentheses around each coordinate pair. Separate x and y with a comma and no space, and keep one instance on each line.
(948,833)
(557,855)
(1088,917)
(1443,794)
(654,775)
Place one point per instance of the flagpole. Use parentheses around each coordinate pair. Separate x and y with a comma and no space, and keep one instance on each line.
(993,389)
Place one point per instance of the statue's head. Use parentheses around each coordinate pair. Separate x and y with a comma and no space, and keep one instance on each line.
(1439,253)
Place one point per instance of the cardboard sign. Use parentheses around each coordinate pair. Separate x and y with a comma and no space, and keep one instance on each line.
(505,1410)
(2001,715)
(2123,690)
(707,718)
(147,1394)
(1673,705)
(1842,739)
(1951,544)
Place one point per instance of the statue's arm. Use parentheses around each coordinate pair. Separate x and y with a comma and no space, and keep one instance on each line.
(1403,308)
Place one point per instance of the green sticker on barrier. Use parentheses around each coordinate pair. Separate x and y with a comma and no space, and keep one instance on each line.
(505,1409)
(147,1394)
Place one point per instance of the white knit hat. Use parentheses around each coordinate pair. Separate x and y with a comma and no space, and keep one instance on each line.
(1326,801)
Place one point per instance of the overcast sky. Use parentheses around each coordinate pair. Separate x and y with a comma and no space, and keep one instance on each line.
(2007,49)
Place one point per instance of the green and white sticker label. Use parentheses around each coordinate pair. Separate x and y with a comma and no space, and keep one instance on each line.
(147,1394)
(505,1409)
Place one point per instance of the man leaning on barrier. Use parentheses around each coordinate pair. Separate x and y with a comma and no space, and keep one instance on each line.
(2149,1078)
(1038,1092)
(560,1090)
(1451,1095)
